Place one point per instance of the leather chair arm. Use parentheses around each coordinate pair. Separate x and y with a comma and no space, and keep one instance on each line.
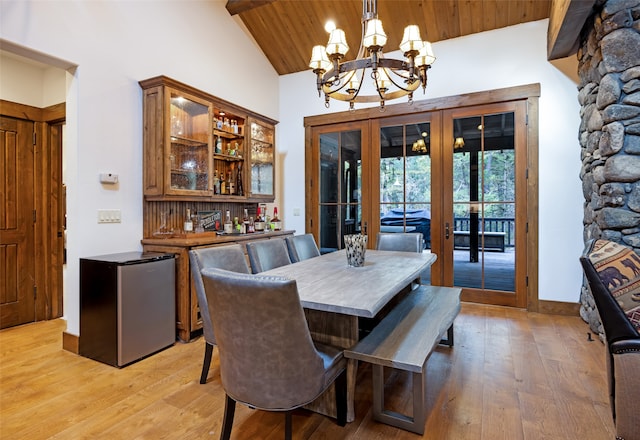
(625,346)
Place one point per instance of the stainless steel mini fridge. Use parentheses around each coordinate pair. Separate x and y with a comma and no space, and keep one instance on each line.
(127,306)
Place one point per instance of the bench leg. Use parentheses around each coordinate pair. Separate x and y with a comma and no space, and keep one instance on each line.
(449,340)
(413,424)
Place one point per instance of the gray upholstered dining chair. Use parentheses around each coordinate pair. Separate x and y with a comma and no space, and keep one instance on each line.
(222,257)
(401,241)
(407,242)
(267,254)
(267,358)
(302,247)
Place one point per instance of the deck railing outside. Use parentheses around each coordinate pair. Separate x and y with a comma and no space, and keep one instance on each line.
(491,224)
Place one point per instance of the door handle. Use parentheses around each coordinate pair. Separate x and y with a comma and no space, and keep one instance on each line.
(446,231)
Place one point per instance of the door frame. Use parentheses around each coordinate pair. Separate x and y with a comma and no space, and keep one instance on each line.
(529,94)
(49,203)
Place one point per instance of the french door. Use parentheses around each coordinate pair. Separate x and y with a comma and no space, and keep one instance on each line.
(338,162)
(484,152)
(457,175)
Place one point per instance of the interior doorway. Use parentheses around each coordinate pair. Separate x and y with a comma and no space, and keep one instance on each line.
(33,195)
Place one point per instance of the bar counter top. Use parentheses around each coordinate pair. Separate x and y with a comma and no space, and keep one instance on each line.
(211,238)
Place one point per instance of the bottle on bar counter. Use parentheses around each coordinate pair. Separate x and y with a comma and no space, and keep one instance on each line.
(276,223)
(188,223)
(228,226)
(259,222)
(245,222)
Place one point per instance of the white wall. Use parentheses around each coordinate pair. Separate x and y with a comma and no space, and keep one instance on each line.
(115,44)
(502,58)
(29,83)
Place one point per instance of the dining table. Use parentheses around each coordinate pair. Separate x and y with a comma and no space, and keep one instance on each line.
(338,298)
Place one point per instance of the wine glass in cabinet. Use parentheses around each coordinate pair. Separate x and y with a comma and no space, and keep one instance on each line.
(261,141)
(189,142)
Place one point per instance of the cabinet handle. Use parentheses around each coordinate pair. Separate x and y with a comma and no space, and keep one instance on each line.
(446,231)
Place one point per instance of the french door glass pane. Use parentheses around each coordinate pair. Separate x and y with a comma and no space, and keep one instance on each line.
(340,187)
(484,202)
(405,181)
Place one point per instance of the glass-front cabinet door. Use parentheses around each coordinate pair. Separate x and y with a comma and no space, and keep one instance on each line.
(262,159)
(189,147)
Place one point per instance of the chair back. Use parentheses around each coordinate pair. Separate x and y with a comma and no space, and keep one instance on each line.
(222,257)
(302,247)
(267,357)
(406,242)
(267,254)
(611,273)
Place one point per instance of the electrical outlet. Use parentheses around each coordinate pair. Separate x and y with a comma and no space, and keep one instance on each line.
(109,216)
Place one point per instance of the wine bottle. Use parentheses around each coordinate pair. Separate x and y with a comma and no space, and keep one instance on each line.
(239,187)
(275,221)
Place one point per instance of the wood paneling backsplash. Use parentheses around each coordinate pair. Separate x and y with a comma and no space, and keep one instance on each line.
(176,212)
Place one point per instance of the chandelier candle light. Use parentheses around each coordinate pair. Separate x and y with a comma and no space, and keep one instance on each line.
(392,78)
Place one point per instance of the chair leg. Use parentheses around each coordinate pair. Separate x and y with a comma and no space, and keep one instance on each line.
(227,422)
(287,425)
(341,398)
(208,351)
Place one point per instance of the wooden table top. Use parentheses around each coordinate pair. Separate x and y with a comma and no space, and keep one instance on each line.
(327,283)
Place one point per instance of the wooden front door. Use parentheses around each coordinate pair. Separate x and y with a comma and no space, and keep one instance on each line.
(17,259)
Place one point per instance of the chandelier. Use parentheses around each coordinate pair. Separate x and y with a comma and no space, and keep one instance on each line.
(391,78)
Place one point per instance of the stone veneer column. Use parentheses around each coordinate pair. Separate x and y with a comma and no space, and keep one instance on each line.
(609,95)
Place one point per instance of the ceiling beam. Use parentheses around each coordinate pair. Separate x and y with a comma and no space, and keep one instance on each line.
(238,6)
(566,19)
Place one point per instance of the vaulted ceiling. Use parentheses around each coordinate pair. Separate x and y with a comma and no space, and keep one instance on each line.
(286,30)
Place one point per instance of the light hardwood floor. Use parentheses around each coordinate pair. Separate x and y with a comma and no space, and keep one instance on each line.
(511,375)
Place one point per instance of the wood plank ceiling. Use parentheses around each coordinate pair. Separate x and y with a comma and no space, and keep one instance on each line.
(286,30)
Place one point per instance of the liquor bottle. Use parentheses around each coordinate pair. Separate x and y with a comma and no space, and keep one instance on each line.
(188,223)
(231,186)
(245,222)
(276,223)
(236,225)
(228,226)
(252,226)
(219,145)
(216,182)
(259,222)
(223,184)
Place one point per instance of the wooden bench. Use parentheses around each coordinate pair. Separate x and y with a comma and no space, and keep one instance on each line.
(405,339)
(492,240)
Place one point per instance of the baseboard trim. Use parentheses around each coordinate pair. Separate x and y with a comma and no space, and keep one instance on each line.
(559,308)
(70,342)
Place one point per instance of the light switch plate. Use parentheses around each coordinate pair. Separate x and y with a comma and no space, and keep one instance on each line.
(109,216)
